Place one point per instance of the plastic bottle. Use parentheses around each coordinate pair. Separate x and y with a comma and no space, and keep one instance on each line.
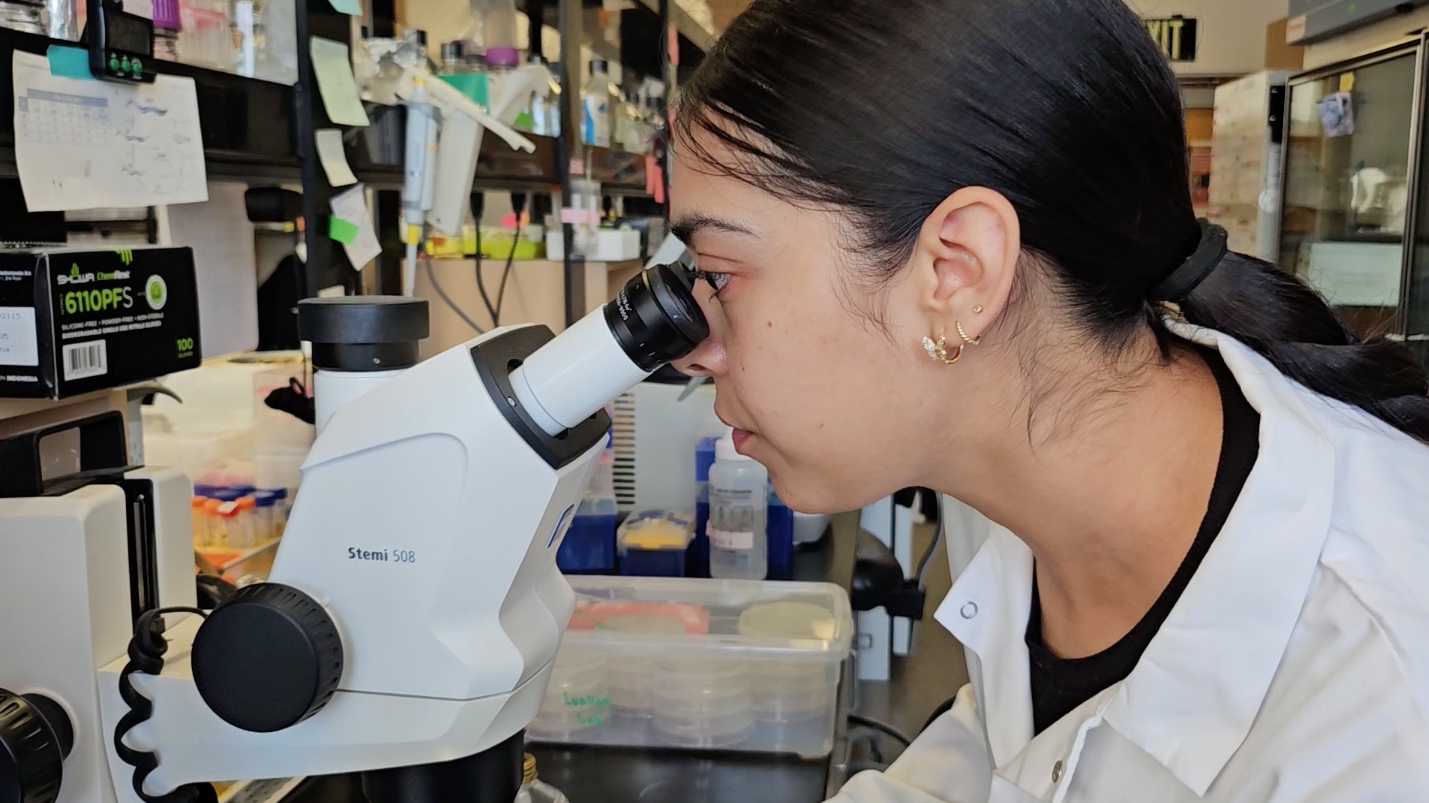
(535,790)
(166,30)
(265,512)
(595,105)
(543,110)
(466,75)
(739,514)
(500,61)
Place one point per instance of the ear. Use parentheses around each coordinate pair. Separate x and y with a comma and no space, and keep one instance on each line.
(966,257)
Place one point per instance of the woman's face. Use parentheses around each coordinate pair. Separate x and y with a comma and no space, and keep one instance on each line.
(822,394)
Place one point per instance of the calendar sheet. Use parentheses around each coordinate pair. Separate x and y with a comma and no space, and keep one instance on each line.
(83,143)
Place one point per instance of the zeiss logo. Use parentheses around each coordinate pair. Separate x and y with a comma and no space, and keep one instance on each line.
(75,277)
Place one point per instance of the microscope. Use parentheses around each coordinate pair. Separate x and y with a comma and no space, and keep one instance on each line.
(409,625)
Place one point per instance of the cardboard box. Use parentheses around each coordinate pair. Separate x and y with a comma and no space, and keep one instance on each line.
(73,322)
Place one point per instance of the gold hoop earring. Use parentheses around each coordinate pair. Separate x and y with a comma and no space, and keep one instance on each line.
(971,341)
(939,351)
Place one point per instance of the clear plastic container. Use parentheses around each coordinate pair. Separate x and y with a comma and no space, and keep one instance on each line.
(265,513)
(685,667)
(577,698)
(589,543)
(217,525)
(199,513)
(243,534)
(784,691)
(739,515)
(703,702)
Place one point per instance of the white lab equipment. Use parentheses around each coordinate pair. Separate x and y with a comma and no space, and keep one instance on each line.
(444,131)
(414,609)
(739,515)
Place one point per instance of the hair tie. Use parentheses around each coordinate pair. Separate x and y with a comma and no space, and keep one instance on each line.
(1209,254)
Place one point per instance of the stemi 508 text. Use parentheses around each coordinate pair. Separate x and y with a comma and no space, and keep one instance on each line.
(382,555)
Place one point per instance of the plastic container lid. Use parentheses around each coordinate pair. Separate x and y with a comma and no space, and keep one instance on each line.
(265,498)
(198,501)
(226,494)
(212,506)
(245,502)
(244,489)
(503,56)
(228,510)
(205,490)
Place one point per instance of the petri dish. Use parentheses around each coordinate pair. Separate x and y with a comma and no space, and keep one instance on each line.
(577,698)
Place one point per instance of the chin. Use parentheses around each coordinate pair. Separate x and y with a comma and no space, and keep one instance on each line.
(808,497)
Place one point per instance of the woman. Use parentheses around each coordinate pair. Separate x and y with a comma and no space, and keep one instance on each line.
(949,244)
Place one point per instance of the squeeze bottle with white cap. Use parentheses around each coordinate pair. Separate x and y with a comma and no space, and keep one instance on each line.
(739,514)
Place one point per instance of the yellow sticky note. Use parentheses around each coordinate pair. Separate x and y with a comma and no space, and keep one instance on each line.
(332,64)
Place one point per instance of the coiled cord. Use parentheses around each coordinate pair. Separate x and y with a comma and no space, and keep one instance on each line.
(146,654)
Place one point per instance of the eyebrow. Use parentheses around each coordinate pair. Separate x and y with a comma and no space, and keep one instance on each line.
(690,225)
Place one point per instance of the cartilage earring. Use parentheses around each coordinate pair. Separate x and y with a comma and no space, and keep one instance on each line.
(971,341)
(939,351)
(977,309)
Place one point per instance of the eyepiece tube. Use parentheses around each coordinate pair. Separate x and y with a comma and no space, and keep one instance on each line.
(652,321)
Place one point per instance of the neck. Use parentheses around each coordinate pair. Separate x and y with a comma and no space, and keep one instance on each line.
(1108,490)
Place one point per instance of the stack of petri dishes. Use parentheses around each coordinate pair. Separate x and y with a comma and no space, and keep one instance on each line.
(577,698)
(703,703)
(790,690)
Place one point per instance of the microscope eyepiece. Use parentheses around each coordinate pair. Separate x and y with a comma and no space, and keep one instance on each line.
(655,317)
(653,320)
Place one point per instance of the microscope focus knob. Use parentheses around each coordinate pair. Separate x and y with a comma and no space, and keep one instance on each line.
(268,658)
(35,739)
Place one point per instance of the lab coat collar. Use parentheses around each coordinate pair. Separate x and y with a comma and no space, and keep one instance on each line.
(1192,698)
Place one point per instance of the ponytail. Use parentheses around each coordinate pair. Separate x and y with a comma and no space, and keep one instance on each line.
(1289,324)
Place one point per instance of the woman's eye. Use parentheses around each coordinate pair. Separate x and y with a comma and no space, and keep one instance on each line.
(717,281)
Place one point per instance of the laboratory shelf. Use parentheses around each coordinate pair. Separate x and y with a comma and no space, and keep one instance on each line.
(498,167)
(246,124)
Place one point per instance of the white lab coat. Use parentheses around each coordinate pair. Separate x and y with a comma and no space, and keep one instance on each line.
(1294,668)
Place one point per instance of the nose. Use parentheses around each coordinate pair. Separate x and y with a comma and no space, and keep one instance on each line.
(708,358)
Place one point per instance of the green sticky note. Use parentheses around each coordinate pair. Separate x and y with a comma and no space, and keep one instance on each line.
(69,62)
(332,65)
(341,230)
(350,7)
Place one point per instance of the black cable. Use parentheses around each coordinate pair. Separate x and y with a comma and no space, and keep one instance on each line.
(146,654)
(928,553)
(881,727)
(431,274)
(518,206)
(481,283)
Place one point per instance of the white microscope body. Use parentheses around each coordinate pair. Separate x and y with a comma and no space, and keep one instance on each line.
(433,502)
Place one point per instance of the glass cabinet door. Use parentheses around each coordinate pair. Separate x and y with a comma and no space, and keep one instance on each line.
(1347,188)
(1416,302)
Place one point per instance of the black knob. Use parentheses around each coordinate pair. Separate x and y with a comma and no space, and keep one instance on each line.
(363,333)
(268,658)
(35,739)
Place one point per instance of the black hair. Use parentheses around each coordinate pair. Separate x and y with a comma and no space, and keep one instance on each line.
(1068,109)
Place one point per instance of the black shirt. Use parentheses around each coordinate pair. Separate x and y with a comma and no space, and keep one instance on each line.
(1059,685)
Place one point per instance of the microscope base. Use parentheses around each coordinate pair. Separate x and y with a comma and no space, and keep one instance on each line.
(491,776)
